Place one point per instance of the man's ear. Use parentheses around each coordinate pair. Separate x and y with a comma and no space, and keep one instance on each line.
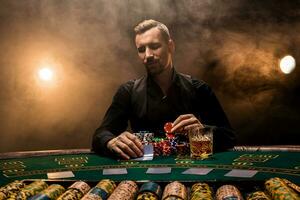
(171,46)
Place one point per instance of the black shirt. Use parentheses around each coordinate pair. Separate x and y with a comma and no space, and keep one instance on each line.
(144,105)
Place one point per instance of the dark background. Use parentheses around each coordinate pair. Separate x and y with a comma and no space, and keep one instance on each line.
(233,45)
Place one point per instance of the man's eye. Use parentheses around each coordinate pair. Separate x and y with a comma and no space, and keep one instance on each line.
(154,46)
(141,49)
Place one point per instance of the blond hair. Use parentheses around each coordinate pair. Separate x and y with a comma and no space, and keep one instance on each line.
(150,23)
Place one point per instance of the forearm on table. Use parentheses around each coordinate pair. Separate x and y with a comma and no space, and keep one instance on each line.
(100,140)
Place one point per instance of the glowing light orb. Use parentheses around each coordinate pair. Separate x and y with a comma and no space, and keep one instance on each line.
(45,74)
(287,64)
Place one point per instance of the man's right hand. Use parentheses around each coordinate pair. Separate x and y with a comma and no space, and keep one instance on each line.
(126,145)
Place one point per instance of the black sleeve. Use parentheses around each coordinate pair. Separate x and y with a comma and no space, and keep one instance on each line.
(115,120)
(213,116)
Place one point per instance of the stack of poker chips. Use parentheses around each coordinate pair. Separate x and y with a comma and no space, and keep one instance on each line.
(278,189)
(29,190)
(50,193)
(126,190)
(228,192)
(175,191)
(11,188)
(76,191)
(258,195)
(145,137)
(201,191)
(177,145)
(291,185)
(101,191)
(149,191)
(164,147)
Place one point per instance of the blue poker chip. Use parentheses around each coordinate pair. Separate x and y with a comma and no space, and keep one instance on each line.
(151,187)
(99,192)
(40,197)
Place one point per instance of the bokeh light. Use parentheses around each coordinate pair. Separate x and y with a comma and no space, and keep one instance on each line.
(287,64)
(46,74)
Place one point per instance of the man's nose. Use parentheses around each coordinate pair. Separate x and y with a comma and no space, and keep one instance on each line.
(148,53)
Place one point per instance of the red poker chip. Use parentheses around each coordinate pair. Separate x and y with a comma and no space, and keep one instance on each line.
(168,127)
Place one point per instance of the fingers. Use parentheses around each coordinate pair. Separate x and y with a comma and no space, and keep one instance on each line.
(181,117)
(131,146)
(126,145)
(186,122)
(120,153)
(137,142)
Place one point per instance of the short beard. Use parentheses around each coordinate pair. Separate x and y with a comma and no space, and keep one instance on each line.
(155,72)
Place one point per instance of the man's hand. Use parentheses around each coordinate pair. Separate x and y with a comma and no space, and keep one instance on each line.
(186,122)
(126,145)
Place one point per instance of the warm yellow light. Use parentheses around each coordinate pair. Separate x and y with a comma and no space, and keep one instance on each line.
(46,74)
(287,64)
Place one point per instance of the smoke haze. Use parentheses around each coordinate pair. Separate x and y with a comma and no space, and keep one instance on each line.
(233,45)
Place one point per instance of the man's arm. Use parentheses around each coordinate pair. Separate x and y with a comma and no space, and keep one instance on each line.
(207,113)
(111,138)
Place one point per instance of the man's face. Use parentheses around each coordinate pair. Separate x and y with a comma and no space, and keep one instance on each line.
(154,51)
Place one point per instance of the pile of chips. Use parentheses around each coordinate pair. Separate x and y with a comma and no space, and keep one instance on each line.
(145,137)
(50,193)
(172,144)
(275,188)
(29,190)
(10,189)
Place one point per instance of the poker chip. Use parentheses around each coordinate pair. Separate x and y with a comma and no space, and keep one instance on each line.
(168,127)
(150,187)
(228,192)
(201,191)
(50,193)
(175,190)
(126,190)
(76,191)
(71,194)
(258,195)
(107,185)
(173,198)
(145,137)
(148,137)
(95,193)
(101,191)
(81,186)
(11,188)
(147,196)
(91,196)
(278,189)
(29,190)
(292,185)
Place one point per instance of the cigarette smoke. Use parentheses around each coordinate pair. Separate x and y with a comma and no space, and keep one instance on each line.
(234,46)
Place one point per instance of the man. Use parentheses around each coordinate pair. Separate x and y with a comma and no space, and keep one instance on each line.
(163,95)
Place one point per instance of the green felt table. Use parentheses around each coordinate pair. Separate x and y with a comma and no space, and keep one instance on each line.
(89,167)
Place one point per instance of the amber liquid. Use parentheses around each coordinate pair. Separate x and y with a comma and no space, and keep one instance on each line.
(198,148)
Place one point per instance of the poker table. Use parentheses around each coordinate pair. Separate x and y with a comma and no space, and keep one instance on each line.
(256,164)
